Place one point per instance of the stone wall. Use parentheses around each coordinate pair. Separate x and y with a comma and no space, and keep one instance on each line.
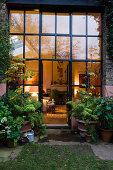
(3,21)
(3,12)
(107,79)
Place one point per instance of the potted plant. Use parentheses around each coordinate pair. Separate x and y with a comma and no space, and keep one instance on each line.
(13,133)
(84,110)
(105,113)
(5,115)
(36,121)
(91,134)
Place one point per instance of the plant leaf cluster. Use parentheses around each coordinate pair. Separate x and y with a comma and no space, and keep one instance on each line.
(84,108)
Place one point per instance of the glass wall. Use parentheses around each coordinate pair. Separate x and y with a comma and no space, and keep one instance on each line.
(75,37)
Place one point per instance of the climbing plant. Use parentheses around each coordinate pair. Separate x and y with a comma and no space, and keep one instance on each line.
(108,4)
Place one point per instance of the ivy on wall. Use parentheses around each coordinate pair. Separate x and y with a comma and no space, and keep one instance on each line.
(108,4)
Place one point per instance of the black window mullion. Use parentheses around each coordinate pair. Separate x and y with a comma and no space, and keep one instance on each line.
(86,51)
(70,63)
(40,62)
(55,33)
(24,49)
(40,31)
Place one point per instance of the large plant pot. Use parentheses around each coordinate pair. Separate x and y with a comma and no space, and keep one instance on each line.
(83,128)
(106,135)
(74,124)
(26,127)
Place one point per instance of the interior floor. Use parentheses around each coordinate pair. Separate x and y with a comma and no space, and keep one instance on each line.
(58,117)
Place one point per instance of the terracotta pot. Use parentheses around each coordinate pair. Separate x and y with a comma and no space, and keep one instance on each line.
(26,127)
(74,124)
(88,138)
(10,143)
(82,127)
(106,135)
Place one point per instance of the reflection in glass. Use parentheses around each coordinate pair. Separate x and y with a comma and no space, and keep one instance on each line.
(48,22)
(78,48)
(78,73)
(63,23)
(48,47)
(94,69)
(75,93)
(34,90)
(31,46)
(17,43)
(79,23)
(33,66)
(94,24)
(16,21)
(96,91)
(32,21)
(94,48)
(63,48)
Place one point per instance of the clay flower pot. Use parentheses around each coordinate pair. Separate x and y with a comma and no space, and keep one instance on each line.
(88,138)
(83,128)
(106,135)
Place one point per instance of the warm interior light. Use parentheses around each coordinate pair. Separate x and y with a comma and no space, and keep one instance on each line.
(36,9)
(75,92)
(76,80)
(33,90)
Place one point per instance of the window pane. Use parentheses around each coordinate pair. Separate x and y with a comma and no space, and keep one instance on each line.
(94,48)
(62,23)
(48,22)
(75,93)
(78,73)
(48,47)
(79,23)
(34,90)
(17,43)
(34,67)
(31,46)
(94,24)
(94,69)
(63,48)
(96,91)
(32,21)
(78,48)
(16,21)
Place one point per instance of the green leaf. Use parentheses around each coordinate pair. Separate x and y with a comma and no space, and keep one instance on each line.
(99,113)
(108,108)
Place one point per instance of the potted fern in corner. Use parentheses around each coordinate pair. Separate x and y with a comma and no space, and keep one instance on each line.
(105,113)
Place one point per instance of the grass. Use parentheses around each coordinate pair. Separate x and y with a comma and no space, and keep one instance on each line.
(46,157)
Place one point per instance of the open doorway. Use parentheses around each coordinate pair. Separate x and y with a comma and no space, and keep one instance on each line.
(55,91)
